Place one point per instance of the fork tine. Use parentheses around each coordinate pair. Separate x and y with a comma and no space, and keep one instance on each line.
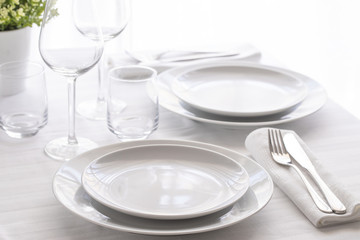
(272,141)
(282,142)
(279,141)
(272,144)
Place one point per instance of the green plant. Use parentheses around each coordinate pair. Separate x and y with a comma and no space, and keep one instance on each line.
(16,14)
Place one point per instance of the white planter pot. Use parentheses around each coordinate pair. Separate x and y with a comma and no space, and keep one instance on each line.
(14,46)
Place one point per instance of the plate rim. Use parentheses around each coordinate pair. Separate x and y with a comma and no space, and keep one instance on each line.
(150,215)
(57,177)
(313,87)
(178,90)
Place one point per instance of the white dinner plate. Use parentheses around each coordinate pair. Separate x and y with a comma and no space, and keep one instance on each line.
(177,181)
(314,100)
(68,190)
(238,91)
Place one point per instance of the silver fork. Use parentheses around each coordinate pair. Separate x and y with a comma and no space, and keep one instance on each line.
(281,156)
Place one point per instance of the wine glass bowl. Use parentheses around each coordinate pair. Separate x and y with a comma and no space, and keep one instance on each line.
(113,16)
(68,52)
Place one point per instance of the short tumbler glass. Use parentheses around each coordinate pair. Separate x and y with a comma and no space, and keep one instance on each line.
(132,103)
(23,98)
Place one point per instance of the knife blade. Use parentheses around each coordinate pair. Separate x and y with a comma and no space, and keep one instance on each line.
(297,152)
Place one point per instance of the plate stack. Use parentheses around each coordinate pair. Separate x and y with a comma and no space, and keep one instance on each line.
(163,187)
(237,93)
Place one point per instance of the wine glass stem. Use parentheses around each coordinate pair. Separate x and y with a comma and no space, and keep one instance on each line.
(101,81)
(71,111)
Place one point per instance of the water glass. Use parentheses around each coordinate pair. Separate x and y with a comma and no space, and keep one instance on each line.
(23,98)
(132,103)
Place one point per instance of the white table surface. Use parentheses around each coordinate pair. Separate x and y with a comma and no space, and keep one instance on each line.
(28,209)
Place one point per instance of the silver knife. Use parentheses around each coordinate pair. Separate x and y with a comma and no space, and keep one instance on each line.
(298,153)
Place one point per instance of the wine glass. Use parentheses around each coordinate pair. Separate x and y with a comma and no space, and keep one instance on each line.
(114,17)
(68,52)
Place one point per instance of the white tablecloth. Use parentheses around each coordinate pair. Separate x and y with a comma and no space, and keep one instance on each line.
(28,209)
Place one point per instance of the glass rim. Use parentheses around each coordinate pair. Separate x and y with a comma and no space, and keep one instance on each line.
(151,76)
(25,62)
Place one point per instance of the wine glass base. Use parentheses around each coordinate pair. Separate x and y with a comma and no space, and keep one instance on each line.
(93,110)
(60,149)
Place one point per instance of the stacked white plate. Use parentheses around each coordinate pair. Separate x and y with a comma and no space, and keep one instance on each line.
(236,93)
(135,186)
(165,181)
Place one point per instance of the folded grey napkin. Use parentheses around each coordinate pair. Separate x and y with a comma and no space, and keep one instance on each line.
(288,181)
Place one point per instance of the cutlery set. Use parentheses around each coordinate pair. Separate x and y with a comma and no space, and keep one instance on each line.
(286,150)
(179,56)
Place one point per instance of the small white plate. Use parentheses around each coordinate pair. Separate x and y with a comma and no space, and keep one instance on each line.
(238,91)
(68,190)
(165,181)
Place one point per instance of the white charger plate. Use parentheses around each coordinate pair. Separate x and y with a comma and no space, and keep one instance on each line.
(238,91)
(165,181)
(314,100)
(68,190)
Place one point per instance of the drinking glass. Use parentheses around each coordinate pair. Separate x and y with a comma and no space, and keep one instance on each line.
(113,16)
(23,98)
(68,52)
(132,103)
